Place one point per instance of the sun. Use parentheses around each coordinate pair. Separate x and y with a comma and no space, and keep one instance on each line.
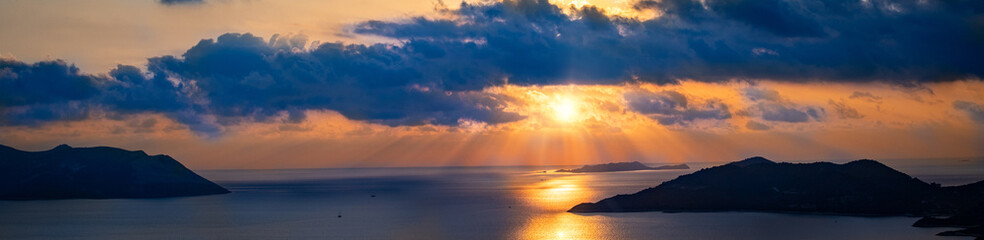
(566,110)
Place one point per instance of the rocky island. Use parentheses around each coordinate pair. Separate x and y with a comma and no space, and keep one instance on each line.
(96,173)
(862,187)
(621,166)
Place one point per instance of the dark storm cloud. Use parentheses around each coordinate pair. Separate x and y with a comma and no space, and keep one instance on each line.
(782,18)
(240,77)
(433,73)
(45,82)
(134,92)
(671,107)
(243,76)
(31,94)
(526,42)
(789,40)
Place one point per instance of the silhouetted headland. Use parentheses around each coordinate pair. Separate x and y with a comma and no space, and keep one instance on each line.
(621,166)
(96,173)
(862,187)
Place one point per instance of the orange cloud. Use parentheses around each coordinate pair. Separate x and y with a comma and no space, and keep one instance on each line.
(569,124)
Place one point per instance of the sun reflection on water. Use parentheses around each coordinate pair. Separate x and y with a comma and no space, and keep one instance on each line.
(559,193)
(554,196)
(563,226)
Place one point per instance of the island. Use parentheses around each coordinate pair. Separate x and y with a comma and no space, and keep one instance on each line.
(621,166)
(862,187)
(96,173)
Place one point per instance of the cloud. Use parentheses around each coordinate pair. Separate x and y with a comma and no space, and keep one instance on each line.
(531,41)
(778,112)
(240,77)
(782,18)
(436,71)
(131,91)
(973,110)
(37,114)
(844,111)
(671,107)
(236,74)
(756,94)
(770,105)
(753,125)
(146,125)
(178,2)
(866,96)
(32,94)
(44,82)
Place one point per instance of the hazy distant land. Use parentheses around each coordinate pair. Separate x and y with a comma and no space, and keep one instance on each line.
(621,166)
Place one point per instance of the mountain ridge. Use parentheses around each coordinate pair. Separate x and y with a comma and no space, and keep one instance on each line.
(64,172)
(860,187)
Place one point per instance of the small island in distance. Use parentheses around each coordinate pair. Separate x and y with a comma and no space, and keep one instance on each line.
(621,166)
(96,173)
(862,187)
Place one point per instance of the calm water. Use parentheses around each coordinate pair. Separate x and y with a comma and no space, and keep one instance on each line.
(439,203)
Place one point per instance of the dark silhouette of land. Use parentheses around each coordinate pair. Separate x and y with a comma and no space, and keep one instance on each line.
(96,173)
(862,187)
(621,166)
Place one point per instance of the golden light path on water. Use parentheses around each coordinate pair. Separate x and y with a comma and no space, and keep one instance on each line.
(554,196)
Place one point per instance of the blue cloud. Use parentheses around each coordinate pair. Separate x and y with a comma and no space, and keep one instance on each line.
(43,82)
(973,110)
(535,42)
(240,77)
(778,112)
(435,73)
(671,107)
(778,17)
(177,2)
(771,106)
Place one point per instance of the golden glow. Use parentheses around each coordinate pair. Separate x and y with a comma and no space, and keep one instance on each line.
(578,3)
(622,8)
(566,110)
(568,107)
(566,124)
(556,193)
(563,226)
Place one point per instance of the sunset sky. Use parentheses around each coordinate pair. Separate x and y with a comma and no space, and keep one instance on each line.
(299,84)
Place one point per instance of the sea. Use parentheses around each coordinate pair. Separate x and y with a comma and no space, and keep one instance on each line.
(514,202)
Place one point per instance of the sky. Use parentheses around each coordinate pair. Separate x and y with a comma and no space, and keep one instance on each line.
(255,84)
